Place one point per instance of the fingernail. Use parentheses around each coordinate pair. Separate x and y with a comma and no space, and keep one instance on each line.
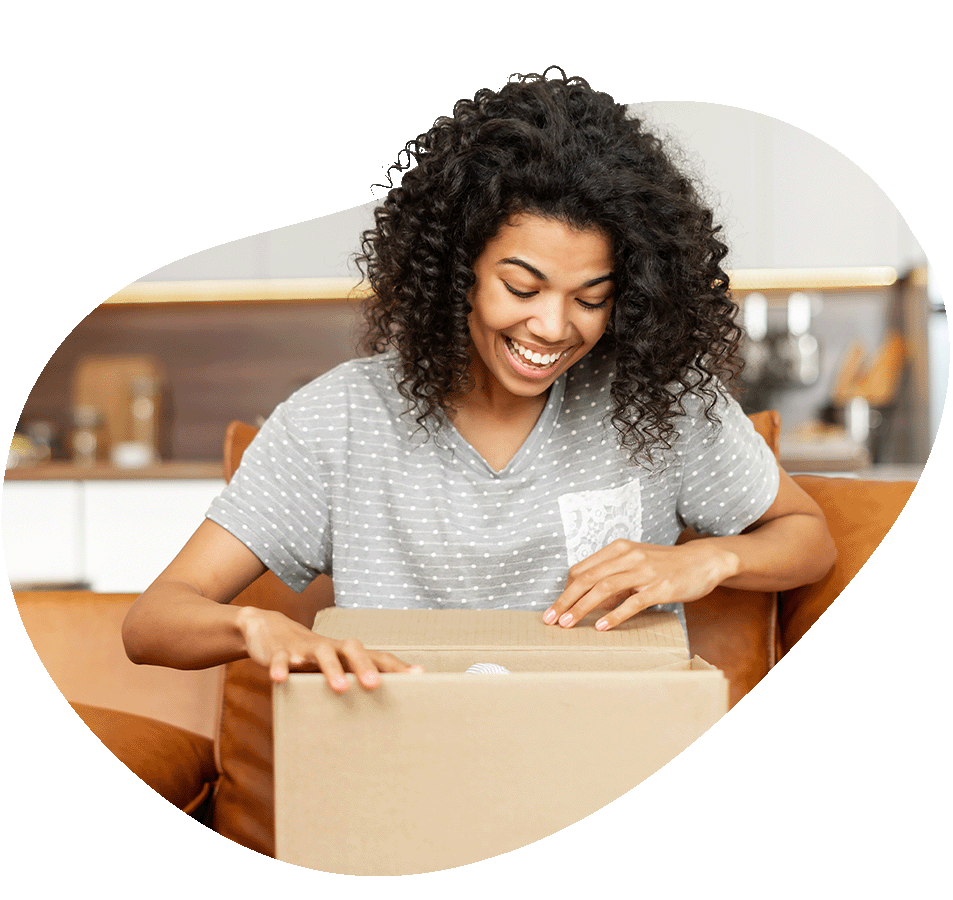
(416,669)
(339,683)
(602,625)
(550,616)
(371,679)
(566,619)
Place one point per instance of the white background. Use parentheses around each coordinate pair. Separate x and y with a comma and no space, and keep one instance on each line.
(139,134)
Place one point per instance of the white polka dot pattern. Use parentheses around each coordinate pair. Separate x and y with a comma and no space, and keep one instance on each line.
(341,480)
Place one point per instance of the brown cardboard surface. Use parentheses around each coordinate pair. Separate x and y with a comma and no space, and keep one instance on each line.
(454,639)
(434,771)
(442,769)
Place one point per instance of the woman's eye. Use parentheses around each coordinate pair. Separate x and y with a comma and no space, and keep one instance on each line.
(597,304)
(516,293)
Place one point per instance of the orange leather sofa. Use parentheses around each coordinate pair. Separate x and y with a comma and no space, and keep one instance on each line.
(203,739)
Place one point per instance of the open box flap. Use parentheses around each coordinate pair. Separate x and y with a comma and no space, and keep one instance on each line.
(451,629)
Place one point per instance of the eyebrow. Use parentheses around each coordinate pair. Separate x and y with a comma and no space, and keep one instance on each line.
(516,261)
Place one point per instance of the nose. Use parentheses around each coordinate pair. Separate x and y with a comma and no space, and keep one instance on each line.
(549,320)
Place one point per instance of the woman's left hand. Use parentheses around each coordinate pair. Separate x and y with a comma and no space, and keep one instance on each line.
(789,545)
(628,577)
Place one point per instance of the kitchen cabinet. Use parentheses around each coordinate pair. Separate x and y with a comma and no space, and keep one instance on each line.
(113,535)
(43,532)
(133,529)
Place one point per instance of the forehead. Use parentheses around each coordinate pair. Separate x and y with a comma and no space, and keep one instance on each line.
(551,246)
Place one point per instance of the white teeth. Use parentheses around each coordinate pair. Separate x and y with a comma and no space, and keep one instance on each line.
(539,359)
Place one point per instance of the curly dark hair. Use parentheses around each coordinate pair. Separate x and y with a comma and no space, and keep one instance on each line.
(554,147)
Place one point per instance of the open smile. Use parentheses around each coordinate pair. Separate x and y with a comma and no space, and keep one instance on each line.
(530,362)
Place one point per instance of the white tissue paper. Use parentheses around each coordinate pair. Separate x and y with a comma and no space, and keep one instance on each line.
(487,669)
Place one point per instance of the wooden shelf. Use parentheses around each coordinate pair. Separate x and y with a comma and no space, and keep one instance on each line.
(826,279)
(241,290)
(244,290)
(70,471)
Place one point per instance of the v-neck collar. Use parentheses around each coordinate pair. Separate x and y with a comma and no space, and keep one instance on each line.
(464,451)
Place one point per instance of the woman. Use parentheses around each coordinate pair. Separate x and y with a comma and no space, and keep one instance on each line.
(542,413)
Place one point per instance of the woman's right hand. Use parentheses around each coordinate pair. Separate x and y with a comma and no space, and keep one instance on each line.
(283,645)
(185,620)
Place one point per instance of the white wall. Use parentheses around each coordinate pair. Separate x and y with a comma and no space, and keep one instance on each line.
(319,248)
(784,198)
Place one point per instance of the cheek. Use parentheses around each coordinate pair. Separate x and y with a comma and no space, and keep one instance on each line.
(605,324)
(594,330)
(482,332)
(490,316)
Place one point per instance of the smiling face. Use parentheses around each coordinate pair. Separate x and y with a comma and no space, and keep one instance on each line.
(542,300)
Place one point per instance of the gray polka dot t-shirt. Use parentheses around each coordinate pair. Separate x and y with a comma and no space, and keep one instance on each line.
(341,480)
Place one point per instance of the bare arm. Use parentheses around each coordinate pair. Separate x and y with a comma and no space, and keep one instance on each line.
(788,546)
(184,620)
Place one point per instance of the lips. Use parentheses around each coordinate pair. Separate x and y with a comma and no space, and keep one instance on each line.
(532,362)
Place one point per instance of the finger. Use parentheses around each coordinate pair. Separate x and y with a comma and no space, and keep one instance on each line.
(279,666)
(616,557)
(326,657)
(577,586)
(360,663)
(606,592)
(605,585)
(632,605)
(387,662)
(611,558)
(611,551)
(625,610)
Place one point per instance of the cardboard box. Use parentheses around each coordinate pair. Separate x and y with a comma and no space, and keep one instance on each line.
(451,640)
(446,768)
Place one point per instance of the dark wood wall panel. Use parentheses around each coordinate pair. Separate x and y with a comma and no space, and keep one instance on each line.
(223,361)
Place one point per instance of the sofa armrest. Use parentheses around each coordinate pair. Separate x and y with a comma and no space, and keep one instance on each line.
(859,514)
(78,638)
(177,764)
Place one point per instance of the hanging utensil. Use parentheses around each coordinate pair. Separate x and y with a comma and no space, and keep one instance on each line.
(846,384)
(879,384)
(800,349)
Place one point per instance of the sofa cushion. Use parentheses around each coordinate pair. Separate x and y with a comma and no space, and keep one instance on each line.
(734,631)
(244,796)
(859,514)
(178,764)
(58,622)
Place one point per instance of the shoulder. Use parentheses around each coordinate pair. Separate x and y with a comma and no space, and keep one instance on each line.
(710,406)
(358,384)
(325,414)
(722,433)
(365,373)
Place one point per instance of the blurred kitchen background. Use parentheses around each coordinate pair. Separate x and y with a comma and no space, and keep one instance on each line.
(118,449)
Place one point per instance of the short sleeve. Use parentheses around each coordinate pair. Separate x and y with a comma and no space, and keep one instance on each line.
(729,475)
(276,502)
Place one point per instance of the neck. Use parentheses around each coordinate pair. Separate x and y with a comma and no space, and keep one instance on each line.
(496,424)
(488,398)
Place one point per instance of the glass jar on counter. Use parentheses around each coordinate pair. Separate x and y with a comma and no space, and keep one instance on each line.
(88,436)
